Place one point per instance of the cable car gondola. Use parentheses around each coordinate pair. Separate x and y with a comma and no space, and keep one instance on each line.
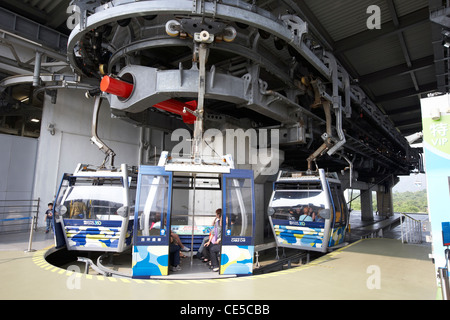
(180,196)
(94,209)
(308,211)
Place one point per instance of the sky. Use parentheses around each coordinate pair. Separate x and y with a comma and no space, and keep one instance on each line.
(412,183)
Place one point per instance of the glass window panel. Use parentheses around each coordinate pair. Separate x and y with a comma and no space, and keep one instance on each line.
(153,205)
(299,205)
(337,205)
(343,205)
(91,199)
(239,207)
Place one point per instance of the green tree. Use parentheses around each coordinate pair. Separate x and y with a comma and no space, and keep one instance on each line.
(414,202)
(410,201)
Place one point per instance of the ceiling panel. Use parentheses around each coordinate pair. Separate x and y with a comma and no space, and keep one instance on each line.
(342,18)
(376,55)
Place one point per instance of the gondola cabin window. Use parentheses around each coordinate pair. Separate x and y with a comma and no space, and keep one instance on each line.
(305,206)
(239,207)
(153,205)
(340,206)
(92,199)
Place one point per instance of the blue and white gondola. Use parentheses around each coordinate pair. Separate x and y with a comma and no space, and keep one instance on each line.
(178,195)
(308,211)
(94,209)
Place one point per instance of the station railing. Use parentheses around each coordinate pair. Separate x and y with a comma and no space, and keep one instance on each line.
(18,215)
(411,229)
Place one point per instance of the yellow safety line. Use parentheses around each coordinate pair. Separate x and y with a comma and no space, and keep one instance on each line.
(39,260)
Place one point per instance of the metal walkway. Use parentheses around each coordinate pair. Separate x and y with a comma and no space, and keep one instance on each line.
(368,269)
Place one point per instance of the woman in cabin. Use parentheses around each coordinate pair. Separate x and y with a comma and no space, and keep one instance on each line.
(212,246)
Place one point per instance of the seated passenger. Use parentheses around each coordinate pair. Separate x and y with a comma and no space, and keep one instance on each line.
(312,213)
(77,210)
(174,255)
(305,215)
(212,247)
(201,253)
(155,229)
(155,223)
(296,213)
(319,218)
(178,242)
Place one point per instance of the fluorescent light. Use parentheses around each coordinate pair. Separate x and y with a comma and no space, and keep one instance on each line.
(35,120)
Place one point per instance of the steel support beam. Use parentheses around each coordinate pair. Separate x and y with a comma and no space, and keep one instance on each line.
(426,88)
(416,65)
(32,31)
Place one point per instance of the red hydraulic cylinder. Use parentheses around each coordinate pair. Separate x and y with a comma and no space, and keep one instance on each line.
(117,87)
(177,107)
(124,89)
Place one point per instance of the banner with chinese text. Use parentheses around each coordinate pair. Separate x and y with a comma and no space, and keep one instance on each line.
(436,145)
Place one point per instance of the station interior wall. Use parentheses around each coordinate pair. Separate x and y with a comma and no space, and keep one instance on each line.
(70,144)
(18,157)
(17,171)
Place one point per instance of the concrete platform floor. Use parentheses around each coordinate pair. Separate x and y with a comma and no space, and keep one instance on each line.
(369,269)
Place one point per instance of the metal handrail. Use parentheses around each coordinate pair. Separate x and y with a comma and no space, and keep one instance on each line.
(411,229)
(405,214)
(20,210)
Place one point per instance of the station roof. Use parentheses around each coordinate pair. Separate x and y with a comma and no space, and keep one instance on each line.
(393,64)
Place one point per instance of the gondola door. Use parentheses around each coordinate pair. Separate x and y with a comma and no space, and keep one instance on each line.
(339,222)
(239,227)
(60,239)
(152,222)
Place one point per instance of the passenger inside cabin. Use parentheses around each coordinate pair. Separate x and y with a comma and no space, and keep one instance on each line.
(312,213)
(201,253)
(213,245)
(174,255)
(78,210)
(155,230)
(305,215)
(319,218)
(155,223)
(296,213)
(177,241)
